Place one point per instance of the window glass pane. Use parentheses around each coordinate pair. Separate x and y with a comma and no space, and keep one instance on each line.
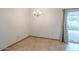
(73,21)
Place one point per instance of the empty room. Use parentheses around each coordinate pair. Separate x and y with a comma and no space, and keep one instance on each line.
(39,29)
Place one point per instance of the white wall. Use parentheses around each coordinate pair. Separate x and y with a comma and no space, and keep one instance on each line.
(14,26)
(49,24)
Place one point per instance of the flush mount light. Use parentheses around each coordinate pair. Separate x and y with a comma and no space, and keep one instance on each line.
(37,12)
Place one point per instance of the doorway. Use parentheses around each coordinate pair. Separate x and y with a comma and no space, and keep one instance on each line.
(72,25)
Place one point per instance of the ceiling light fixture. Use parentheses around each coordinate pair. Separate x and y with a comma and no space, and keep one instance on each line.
(37,12)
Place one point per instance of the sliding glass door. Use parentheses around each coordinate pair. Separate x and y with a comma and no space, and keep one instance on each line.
(72,25)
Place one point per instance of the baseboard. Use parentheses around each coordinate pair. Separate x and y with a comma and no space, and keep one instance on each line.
(44,37)
(15,43)
(26,38)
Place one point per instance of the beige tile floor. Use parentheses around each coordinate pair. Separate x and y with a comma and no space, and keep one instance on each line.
(42,44)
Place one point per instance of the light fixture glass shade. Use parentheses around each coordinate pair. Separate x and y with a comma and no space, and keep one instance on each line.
(40,12)
(37,12)
(34,13)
